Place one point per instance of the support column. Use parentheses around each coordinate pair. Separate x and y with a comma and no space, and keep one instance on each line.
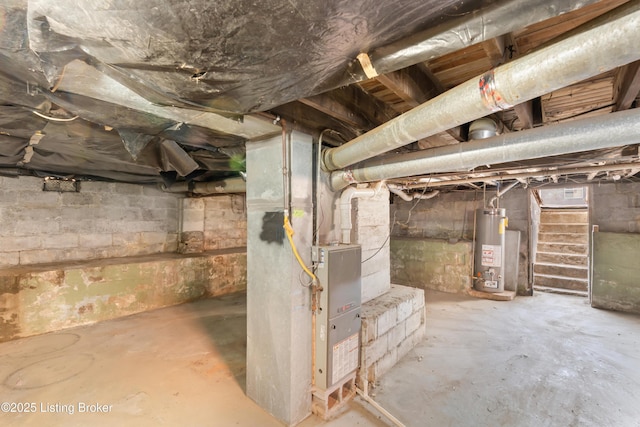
(278,305)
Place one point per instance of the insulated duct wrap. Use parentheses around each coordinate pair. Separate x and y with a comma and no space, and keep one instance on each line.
(604,44)
(611,130)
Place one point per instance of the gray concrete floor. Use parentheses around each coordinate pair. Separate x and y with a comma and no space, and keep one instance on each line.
(178,366)
(546,360)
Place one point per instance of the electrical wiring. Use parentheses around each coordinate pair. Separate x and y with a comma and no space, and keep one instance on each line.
(418,200)
(385,241)
(54,119)
(289,232)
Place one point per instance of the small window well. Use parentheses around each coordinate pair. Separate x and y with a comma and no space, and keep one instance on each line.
(61,185)
(574,193)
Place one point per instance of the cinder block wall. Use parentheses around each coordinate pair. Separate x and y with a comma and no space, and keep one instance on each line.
(449,217)
(615,271)
(45,298)
(214,222)
(371,231)
(225,222)
(103,220)
(392,325)
(432,264)
(616,207)
(69,259)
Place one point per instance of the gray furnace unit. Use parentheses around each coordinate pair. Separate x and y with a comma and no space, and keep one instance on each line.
(338,318)
(490,250)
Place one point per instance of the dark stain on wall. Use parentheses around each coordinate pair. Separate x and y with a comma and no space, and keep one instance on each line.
(272,227)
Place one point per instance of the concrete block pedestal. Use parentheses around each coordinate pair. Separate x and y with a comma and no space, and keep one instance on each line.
(392,325)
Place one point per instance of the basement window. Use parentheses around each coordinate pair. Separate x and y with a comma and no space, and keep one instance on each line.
(61,185)
(568,197)
(574,193)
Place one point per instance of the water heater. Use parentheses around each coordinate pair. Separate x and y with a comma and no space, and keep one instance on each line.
(490,250)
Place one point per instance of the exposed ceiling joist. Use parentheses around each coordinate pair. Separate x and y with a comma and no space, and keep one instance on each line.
(627,85)
(214,98)
(410,85)
(495,49)
(525,114)
(327,105)
(377,112)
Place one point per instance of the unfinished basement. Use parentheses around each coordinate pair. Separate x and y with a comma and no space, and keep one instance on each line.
(395,213)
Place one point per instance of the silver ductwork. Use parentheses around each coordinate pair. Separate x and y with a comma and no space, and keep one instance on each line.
(609,42)
(594,133)
(498,18)
(223,186)
(482,129)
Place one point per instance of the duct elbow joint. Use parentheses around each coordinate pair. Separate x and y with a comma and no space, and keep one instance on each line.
(327,163)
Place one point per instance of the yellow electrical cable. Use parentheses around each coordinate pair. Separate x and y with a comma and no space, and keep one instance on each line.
(289,231)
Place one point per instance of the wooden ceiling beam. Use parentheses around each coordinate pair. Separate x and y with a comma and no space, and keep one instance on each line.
(410,85)
(627,86)
(524,112)
(309,119)
(356,98)
(331,107)
(495,49)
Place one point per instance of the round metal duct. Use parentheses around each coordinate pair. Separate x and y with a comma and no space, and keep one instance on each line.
(482,129)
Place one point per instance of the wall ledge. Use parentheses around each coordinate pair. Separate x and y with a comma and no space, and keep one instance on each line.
(137,259)
(45,298)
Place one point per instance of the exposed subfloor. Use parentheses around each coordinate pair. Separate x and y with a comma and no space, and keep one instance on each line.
(547,360)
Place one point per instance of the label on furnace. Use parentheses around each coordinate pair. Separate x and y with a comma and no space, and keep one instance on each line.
(345,358)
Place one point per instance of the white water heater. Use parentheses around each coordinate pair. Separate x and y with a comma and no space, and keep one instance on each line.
(489,255)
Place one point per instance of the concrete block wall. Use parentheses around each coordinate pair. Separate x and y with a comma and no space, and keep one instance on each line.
(45,298)
(615,271)
(103,220)
(371,231)
(225,222)
(616,207)
(392,325)
(450,217)
(214,222)
(431,264)
(446,216)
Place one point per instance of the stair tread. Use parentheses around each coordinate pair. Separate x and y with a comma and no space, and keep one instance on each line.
(574,245)
(551,276)
(564,232)
(560,290)
(552,264)
(539,252)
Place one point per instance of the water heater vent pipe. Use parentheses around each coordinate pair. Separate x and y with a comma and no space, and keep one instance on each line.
(346,197)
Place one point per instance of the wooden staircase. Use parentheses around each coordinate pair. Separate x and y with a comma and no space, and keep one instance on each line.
(562,255)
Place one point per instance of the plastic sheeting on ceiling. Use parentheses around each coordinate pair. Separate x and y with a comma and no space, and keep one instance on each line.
(139,73)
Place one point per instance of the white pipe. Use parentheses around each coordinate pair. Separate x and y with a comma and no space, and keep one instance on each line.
(346,197)
(501,193)
(523,176)
(365,395)
(397,190)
